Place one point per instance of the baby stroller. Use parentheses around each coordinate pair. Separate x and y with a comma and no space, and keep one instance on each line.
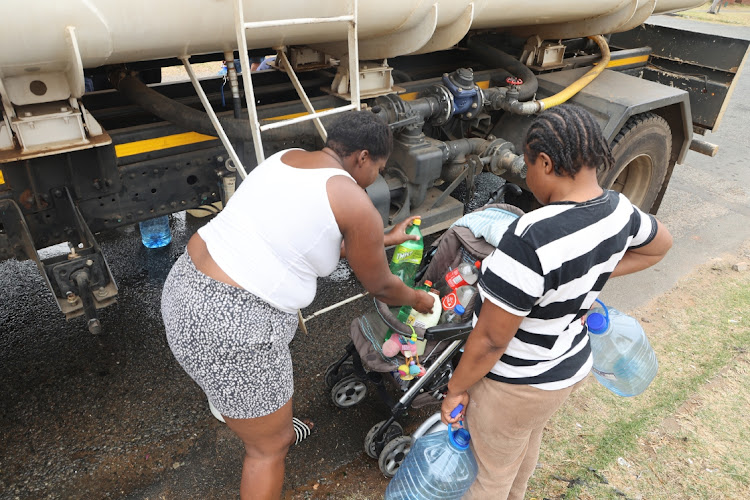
(470,239)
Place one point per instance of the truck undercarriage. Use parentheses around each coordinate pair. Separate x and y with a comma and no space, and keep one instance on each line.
(455,114)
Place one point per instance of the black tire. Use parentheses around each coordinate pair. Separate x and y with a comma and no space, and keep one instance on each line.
(393,455)
(394,430)
(641,151)
(333,376)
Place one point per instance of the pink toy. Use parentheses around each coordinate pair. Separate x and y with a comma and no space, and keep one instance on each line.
(392,346)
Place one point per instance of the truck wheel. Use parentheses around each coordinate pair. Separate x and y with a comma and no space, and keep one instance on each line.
(641,152)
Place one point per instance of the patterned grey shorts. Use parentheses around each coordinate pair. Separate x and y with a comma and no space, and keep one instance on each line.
(233,344)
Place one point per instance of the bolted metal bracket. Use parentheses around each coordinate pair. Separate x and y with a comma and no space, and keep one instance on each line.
(81,280)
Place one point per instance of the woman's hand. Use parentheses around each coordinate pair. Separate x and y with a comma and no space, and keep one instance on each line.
(450,402)
(398,233)
(424,303)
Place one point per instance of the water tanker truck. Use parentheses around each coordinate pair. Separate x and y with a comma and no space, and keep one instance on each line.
(91,140)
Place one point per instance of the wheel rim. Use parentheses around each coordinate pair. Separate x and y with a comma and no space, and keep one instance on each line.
(634,179)
(350,392)
(394,455)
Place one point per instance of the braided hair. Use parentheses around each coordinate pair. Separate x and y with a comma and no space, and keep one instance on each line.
(357,131)
(570,136)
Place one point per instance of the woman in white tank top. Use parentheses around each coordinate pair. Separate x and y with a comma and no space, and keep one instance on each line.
(229,318)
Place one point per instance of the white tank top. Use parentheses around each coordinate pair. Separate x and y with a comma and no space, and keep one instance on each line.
(277,234)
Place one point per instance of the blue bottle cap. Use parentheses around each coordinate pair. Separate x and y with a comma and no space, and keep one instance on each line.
(597,323)
(459,438)
(459,309)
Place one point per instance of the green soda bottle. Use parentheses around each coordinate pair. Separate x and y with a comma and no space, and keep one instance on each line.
(408,255)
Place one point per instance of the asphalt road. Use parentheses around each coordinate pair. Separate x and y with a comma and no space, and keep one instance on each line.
(115,416)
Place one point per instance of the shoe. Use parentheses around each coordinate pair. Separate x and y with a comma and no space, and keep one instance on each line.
(301,429)
(206,210)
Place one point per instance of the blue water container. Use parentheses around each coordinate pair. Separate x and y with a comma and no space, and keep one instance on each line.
(624,361)
(155,232)
(440,466)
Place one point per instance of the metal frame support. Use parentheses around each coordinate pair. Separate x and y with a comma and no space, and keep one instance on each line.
(241,28)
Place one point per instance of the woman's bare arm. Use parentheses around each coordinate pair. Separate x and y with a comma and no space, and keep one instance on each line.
(637,259)
(362,228)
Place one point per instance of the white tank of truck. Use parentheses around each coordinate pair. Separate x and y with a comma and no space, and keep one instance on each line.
(51,36)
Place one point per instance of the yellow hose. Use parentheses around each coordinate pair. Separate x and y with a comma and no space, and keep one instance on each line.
(576,86)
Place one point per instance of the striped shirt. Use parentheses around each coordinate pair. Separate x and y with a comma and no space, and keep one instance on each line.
(549,268)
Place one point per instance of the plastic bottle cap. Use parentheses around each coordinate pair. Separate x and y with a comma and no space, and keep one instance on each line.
(478,264)
(417,222)
(459,438)
(597,323)
(428,283)
(459,309)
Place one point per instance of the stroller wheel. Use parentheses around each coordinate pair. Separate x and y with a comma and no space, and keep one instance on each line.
(332,375)
(348,391)
(393,455)
(371,447)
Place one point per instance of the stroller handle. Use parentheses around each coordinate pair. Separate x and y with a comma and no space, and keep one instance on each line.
(448,331)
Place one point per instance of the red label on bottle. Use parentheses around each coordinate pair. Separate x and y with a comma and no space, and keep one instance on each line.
(454,279)
(449,301)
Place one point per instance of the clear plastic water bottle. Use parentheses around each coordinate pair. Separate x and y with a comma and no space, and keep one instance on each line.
(464,274)
(440,465)
(462,295)
(624,361)
(453,315)
(408,255)
(155,232)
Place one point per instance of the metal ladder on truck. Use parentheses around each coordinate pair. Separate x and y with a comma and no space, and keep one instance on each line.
(241,27)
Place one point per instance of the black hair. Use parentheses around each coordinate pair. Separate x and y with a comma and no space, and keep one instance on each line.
(570,136)
(359,130)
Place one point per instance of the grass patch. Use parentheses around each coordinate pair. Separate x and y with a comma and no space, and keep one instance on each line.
(736,14)
(686,436)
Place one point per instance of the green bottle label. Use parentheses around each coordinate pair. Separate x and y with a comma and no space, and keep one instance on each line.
(411,256)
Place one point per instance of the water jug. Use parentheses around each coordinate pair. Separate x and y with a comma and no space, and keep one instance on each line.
(624,361)
(408,255)
(440,465)
(425,320)
(155,232)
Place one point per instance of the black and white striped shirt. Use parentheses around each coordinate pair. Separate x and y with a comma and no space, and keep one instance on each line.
(549,268)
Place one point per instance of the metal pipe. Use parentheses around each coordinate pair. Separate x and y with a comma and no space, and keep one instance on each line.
(172,111)
(247,80)
(704,147)
(507,101)
(496,58)
(281,57)
(579,84)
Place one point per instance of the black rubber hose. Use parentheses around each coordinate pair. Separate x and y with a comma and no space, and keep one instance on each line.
(184,116)
(496,58)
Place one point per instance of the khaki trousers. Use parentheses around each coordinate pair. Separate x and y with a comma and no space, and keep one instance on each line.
(506,423)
